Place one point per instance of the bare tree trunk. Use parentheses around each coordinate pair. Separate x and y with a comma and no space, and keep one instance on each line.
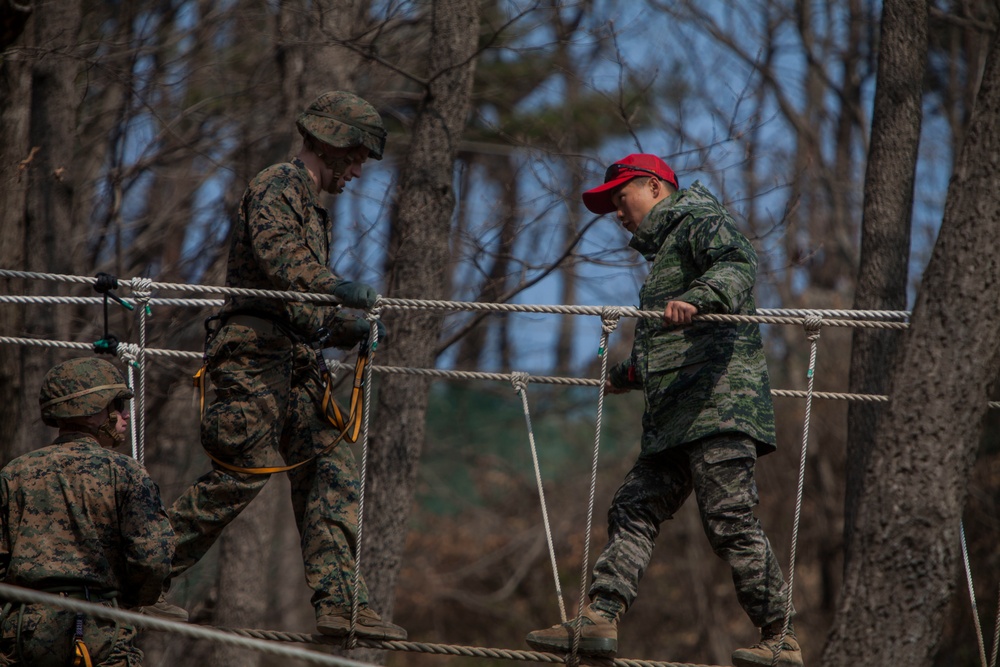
(419,266)
(39,233)
(886,224)
(906,537)
(15,155)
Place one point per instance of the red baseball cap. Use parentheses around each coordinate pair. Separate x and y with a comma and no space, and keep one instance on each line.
(598,199)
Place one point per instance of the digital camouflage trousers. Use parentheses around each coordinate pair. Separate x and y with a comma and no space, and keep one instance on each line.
(42,636)
(720,471)
(265,409)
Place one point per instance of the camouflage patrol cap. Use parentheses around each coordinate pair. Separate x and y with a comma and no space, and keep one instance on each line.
(344,120)
(80,388)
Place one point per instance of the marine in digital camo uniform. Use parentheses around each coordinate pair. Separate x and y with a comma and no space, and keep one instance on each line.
(708,411)
(82,521)
(264,371)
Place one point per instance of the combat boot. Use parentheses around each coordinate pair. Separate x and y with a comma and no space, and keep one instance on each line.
(165,610)
(762,653)
(598,635)
(368,626)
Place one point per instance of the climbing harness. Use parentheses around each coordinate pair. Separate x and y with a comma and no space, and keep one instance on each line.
(81,654)
(347,422)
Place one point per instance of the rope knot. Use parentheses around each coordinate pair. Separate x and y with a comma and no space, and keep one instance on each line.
(142,288)
(520,380)
(812,325)
(610,315)
(129,353)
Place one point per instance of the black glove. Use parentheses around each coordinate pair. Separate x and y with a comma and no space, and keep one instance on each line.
(355,295)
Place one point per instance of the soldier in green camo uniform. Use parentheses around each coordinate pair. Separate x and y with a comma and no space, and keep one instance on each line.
(267,391)
(82,521)
(708,411)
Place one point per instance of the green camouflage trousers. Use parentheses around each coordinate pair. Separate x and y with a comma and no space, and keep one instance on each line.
(719,470)
(46,638)
(264,409)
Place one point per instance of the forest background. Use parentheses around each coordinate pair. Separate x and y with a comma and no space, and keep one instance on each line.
(129,129)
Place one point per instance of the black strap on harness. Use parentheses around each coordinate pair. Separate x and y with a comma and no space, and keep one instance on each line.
(106,284)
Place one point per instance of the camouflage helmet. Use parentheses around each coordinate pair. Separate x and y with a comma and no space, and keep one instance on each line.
(80,388)
(343,120)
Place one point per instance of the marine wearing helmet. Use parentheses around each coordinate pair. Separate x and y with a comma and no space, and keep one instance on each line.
(88,394)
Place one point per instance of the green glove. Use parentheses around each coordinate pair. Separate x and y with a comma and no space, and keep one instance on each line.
(346,331)
(362,329)
(355,295)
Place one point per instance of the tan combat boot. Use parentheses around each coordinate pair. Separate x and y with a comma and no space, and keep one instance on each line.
(165,610)
(368,626)
(598,636)
(762,653)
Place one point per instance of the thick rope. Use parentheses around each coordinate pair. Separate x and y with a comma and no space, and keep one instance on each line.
(98,300)
(813,329)
(996,634)
(142,291)
(460,375)
(29,596)
(128,353)
(841,318)
(373,314)
(972,596)
(457,650)
(520,382)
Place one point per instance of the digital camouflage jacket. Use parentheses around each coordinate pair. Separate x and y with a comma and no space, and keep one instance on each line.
(282,242)
(75,513)
(704,378)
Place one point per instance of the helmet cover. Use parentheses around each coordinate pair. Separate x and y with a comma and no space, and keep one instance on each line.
(80,388)
(344,120)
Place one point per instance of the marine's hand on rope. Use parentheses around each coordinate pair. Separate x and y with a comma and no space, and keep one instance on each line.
(679,312)
(355,295)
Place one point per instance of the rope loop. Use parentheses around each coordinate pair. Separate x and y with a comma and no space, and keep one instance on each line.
(142,288)
(812,325)
(520,381)
(610,315)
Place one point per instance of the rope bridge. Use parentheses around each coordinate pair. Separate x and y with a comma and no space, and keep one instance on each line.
(135,357)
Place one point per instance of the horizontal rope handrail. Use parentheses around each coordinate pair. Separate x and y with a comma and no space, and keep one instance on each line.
(98,300)
(798,316)
(458,375)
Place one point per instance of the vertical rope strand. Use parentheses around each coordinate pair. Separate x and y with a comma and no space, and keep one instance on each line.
(813,326)
(972,595)
(372,315)
(520,382)
(609,322)
(996,633)
(132,422)
(141,290)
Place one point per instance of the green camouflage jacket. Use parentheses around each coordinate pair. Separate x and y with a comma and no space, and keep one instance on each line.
(75,513)
(282,242)
(705,378)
